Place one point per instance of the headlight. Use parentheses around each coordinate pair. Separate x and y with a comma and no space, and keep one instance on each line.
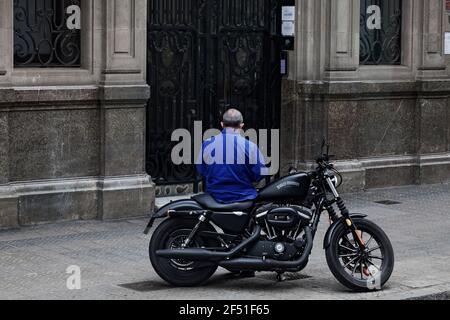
(335,177)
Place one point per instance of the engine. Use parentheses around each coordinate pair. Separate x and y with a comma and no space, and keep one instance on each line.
(283,227)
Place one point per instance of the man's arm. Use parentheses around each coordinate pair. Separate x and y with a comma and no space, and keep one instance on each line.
(257,164)
(200,164)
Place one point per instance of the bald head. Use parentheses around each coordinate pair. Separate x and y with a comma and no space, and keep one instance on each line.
(233,119)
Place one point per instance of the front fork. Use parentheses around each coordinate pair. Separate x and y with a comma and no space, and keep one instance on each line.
(345,214)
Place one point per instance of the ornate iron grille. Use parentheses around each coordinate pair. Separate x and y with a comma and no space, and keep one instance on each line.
(380,44)
(204,55)
(41,36)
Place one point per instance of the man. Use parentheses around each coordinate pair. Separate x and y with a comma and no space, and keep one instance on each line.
(231,164)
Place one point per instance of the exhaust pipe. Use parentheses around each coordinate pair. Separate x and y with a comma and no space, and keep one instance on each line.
(255,264)
(194,254)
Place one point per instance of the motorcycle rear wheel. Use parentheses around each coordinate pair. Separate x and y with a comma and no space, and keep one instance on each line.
(170,234)
(359,270)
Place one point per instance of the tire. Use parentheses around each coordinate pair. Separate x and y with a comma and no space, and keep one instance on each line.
(365,281)
(178,272)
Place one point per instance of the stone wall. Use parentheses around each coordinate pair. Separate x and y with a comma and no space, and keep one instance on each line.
(382,134)
(72,141)
(388,125)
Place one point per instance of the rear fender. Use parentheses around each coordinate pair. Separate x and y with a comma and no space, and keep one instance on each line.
(187,205)
(327,240)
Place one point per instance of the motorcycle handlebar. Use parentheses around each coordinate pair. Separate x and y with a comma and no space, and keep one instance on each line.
(325,158)
(322,161)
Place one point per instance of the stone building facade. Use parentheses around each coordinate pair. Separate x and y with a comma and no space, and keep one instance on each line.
(72,140)
(74,122)
(388,124)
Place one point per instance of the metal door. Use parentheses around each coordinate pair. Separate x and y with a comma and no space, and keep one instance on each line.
(204,55)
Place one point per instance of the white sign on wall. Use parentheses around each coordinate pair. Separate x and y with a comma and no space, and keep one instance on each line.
(288,29)
(288,21)
(288,13)
(447,43)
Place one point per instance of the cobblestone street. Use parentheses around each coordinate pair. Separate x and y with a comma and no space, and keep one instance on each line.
(114,260)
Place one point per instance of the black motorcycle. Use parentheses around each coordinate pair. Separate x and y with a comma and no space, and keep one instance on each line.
(273,233)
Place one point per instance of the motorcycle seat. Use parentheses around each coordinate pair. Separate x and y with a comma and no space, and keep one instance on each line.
(208,202)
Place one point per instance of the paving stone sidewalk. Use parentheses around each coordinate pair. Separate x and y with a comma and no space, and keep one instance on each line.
(113,257)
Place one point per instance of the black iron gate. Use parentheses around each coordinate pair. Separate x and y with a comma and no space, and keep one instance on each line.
(204,55)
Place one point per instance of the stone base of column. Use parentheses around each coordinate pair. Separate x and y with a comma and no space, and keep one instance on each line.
(383,172)
(126,197)
(31,203)
(8,208)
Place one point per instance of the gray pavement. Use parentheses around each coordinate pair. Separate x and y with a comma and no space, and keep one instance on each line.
(114,264)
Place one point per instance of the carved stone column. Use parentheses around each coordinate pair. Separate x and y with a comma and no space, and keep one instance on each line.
(5,35)
(125,43)
(431,43)
(126,189)
(308,55)
(342,39)
(8,199)
(5,29)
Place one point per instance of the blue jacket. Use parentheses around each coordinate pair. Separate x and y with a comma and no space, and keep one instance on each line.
(230,166)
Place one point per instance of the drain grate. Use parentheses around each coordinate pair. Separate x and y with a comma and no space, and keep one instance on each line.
(145,286)
(388,202)
(289,276)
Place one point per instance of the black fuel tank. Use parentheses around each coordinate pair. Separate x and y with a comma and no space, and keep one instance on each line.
(295,186)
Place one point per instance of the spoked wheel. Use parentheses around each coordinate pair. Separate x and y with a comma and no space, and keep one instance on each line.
(172,234)
(176,241)
(357,269)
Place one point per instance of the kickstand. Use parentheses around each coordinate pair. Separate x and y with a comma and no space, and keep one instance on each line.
(280,277)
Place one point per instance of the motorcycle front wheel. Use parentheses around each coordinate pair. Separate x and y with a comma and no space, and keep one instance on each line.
(361,270)
(171,234)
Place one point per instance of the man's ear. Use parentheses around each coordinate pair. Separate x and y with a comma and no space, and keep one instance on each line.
(242,126)
(221,124)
